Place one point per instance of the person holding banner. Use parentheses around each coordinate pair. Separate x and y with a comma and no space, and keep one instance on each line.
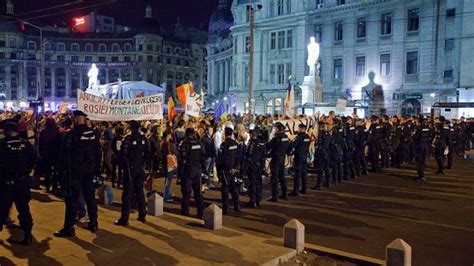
(134,157)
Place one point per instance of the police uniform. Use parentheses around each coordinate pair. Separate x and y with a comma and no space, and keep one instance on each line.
(192,160)
(134,155)
(373,143)
(422,140)
(227,162)
(360,163)
(17,158)
(385,141)
(81,154)
(277,149)
(321,159)
(117,144)
(254,164)
(300,147)
(440,142)
(336,153)
(452,146)
(348,149)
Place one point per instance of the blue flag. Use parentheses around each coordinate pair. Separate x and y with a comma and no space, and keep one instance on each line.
(220,110)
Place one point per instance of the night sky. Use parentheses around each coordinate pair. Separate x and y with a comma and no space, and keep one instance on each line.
(127,12)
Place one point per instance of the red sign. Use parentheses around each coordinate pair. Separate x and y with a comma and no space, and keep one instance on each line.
(79,21)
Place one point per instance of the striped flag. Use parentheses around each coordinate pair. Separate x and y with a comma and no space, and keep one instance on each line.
(290,100)
(171,109)
(182,92)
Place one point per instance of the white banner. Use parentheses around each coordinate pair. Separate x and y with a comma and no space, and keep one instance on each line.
(102,109)
(193,104)
(292,126)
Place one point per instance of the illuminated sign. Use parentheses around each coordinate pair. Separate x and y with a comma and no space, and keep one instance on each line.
(79,21)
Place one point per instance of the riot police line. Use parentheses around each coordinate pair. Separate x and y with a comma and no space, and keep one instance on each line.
(74,154)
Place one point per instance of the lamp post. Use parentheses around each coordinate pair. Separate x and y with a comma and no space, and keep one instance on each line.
(251,13)
(42,71)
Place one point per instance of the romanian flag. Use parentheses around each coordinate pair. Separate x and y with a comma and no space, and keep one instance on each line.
(184,90)
(171,109)
(290,100)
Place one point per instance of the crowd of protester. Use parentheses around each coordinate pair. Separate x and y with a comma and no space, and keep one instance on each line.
(236,154)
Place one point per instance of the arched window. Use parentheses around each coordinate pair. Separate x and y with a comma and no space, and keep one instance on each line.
(128,47)
(270,107)
(102,47)
(278,106)
(115,47)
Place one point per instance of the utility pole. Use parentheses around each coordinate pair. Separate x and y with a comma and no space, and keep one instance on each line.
(251,12)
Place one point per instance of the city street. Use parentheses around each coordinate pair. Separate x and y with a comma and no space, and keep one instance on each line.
(363,216)
(360,216)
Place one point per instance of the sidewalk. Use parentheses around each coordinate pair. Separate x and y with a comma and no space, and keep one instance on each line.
(167,240)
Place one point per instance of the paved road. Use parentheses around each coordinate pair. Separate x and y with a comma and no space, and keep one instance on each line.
(362,216)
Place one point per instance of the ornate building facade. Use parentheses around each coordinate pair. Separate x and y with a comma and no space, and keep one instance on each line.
(141,52)
(419,51)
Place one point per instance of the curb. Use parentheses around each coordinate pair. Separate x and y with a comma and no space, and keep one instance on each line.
(359,259)
(280,259)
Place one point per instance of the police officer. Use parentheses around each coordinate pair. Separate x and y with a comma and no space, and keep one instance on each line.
(373,142)
(254,164)
(440,141)
(227,167)
(277,149)
(17,159)
(321,157)
(81,157)
(452,145)
(117,149)
(134,155)
(192,159)
(348,148)
(422,140)
(360,163)
(336,151)
(300,149)
(385,141)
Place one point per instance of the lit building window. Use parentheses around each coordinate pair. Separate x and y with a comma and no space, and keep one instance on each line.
(338,73)
(361,28)
(412,63)
(386,24)
(413,19)
(339,31)
(360,66)
(385,65)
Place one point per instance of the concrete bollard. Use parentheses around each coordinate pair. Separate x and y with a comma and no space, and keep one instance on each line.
(155,204)
(106,195)
(398,253)
(213,217)
(293,234)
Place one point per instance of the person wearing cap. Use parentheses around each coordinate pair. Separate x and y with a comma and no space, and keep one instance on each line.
(277,149)
(360,162)
(348,134)
(373,142)
(300,150)
(227,166)
(422,139)
(81,155)
(440,142)
(321,156)
(385,140)
(192,160)
(134,157)
(17,159)
(451,146)
(255,155)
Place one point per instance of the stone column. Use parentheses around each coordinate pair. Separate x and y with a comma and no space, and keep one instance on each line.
(38,80)
(8,84)
(68,83)
(53,81)
(107,76)
(81,79)
(224,79)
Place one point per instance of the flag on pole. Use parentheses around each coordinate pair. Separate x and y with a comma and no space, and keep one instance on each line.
(221,112)
(182,92)
(290,100)
(171,109)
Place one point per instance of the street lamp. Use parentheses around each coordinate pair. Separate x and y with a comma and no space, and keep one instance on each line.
(251,13)
(42,71)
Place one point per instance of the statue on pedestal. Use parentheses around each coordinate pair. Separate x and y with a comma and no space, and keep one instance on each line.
(313,56)
(373,95)
(92,74)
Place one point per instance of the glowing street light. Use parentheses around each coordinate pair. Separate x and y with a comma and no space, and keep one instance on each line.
(432,95)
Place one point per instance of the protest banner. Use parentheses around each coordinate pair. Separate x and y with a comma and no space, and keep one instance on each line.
(341,105)
(291,126)
(103,109)
(193,104)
